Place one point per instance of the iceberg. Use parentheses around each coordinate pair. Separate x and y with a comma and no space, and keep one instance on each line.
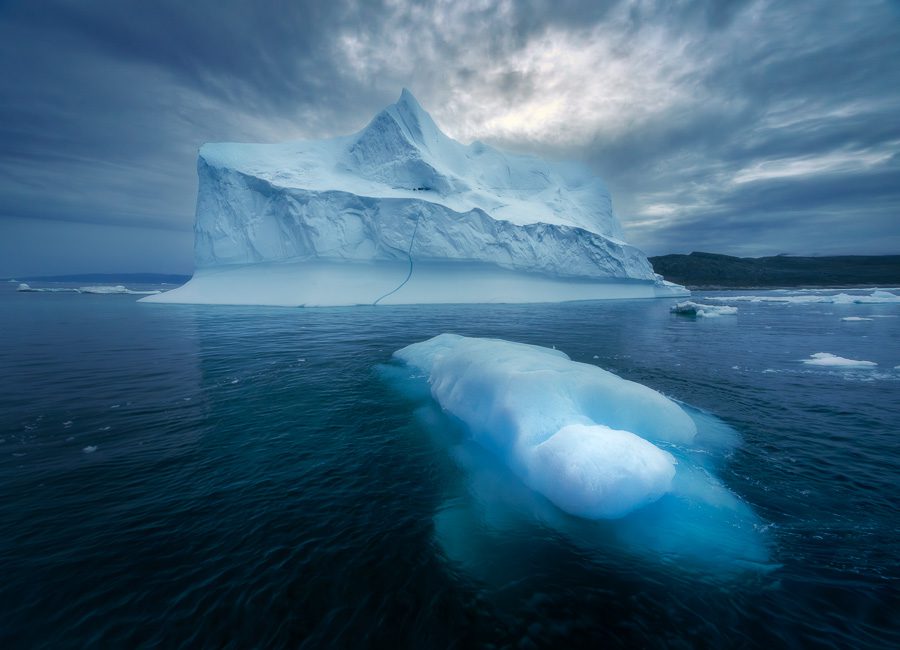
(579,435)
(543,441)
(400,213)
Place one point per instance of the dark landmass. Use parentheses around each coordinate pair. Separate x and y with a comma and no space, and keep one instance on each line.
(114,278)
(709,270)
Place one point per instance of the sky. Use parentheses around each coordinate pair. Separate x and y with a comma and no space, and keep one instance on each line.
(748,128)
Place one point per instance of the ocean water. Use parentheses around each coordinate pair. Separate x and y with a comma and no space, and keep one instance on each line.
(184,476)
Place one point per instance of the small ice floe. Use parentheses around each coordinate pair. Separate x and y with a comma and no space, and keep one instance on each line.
(100,289)
(689,308)
(876,297)
(541,437)
(582,437)
(116,289)
(67,423)
(28,288)
(833,361)
(855,319)
(90,449)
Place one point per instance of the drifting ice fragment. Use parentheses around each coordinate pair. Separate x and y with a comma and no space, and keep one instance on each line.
(537,436)
(579,435)
(876,297)
(834,361)
(690,308)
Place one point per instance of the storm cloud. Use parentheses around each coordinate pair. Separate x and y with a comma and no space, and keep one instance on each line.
(738,127)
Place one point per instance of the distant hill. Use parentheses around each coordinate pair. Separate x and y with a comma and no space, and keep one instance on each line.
(711,270)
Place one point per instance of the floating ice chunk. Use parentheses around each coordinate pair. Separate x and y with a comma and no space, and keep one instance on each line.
(834,361)
(28,288)
(690,308)
(696,522)
(854,319)
(577,434)
(90,449)
(876,297)
(117,289)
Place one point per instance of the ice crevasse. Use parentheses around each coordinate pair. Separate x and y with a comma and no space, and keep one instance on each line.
(400,213)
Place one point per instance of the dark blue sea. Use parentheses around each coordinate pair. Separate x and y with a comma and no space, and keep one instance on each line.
(227,477)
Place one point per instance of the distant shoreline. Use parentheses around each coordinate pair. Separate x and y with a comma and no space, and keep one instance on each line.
(711,271)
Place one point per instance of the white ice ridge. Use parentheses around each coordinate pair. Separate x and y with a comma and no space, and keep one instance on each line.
(690,308)
(581,436)
(875,297)
(393,213)
(101,289)
(834,361)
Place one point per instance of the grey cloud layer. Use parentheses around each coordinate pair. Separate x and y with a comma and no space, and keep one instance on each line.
(745,127)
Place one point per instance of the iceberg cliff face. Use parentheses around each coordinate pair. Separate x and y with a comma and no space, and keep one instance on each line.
(401,213)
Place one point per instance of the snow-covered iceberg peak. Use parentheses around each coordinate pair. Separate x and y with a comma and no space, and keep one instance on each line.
(401,213)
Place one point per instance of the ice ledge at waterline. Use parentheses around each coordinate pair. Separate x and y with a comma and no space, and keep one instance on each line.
(320,284)
(401,213)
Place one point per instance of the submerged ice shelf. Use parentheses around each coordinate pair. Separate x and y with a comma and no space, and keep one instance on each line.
(577,434)
(594,445)
(401,213)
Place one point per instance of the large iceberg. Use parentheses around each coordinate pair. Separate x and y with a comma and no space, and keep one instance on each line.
(401,213)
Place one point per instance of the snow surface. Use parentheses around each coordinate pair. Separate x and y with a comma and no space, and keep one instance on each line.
(581,436)
(834,361)
(690,308)
(402,194)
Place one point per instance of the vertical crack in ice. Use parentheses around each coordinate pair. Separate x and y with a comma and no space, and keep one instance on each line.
(412,240)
